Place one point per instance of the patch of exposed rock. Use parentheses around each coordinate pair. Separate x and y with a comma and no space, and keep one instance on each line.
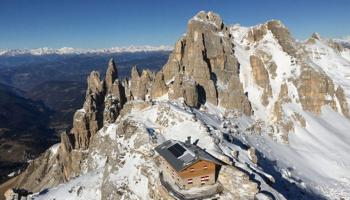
(115,97)
(186,88)
(342,101)
(88,120)
(140,84)
(269,63)
(314,37)
(283,36)
(257,33)
(261,77)
(159,87)
(239,187)
(315,90)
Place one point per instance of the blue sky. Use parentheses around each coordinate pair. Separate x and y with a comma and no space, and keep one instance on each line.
(103,23)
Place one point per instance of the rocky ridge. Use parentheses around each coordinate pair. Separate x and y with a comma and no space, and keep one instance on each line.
(259,72)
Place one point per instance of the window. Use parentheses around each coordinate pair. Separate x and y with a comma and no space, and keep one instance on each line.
(191,169)
(189,181)
(204,178)
(205,166)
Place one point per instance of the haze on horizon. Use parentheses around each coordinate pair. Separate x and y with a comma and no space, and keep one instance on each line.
(104,24)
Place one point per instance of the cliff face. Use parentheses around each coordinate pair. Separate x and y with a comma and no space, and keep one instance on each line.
(205,54)
(260,73)
(282,78)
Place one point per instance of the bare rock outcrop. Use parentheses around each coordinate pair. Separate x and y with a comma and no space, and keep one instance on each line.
(282,124)
(115,97)
(88,120)
(174,64)
(158,87)
(261,77)
(315,90)
(252,155)
(114,102)
(255,34)
(269,63)
(239,187)
(233,97)
(111,74)
(283,36)
(45,171)
(206,55)
(140,84)
(342,101)
(186,88)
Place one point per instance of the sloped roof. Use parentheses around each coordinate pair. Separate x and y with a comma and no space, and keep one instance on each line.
(181,155)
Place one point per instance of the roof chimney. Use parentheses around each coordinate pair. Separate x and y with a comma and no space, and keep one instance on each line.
(188,141)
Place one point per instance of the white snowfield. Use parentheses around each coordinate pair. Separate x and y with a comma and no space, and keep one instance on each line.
(335,64)
(77,51)
(316,160)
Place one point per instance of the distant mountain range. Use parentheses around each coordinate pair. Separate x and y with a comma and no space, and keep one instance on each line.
(344,41)
(77,51)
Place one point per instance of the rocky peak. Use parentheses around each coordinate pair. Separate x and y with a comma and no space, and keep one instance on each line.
(159,87)
(205,55)
(140,84)
(135,72)
(313,38)
(111,74)
(95,85)
(257,33)
(88,120)
(210,18)
(316,36)
(282,34)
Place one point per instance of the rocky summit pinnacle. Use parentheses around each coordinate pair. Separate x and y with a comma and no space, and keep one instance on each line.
(316,36)
(111,74)
(205,55)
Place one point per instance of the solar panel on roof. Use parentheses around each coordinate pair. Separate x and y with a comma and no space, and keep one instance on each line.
(177,150)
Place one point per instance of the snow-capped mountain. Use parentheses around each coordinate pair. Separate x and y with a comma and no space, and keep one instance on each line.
(274,110)
(70,50)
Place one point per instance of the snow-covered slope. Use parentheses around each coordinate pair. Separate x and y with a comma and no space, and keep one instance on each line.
(313,166)
(316,157)
(70,50)
(334,62)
